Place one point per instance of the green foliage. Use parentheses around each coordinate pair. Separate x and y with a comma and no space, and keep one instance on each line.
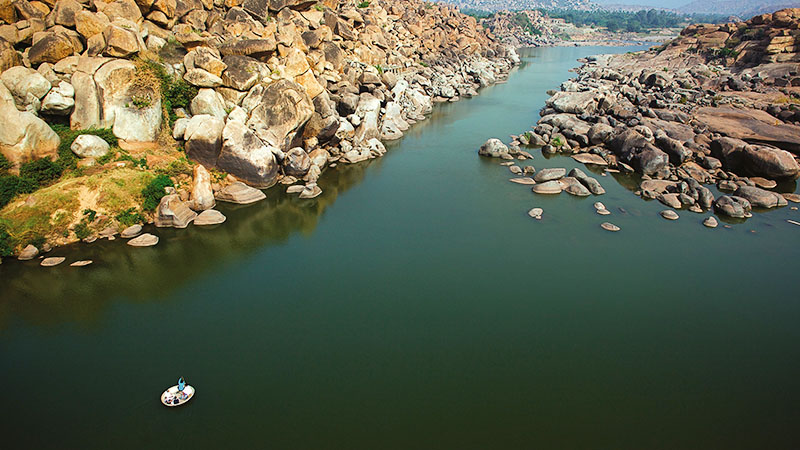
(364,4)
(40,171)
(379,68)
(177,167)
(424,64)
(5,164)
(154,191)
(557,142)
(722,53)
(66,159)
(81,230)
(141,101)
(521,19)
(6,242)
(477,13)
(129,217)
(319,7)
(639,21)
(90,215)
(141,162)
(37,241)
(11,185)
(175,92)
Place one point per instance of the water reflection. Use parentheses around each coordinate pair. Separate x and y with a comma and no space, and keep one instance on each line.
(51,296)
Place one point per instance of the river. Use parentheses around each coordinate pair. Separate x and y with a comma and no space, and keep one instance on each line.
(416,305)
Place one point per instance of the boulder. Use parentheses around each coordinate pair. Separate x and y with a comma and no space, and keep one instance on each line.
(592,184)
(129,120)
(202,78)
(760,198)
(600,133)
(86,111)
(89,24)
(770,162)
(28,253)
(732,206)
(669,214)
(493,148)
(240,193)
(60,100)
(636,150)
(242,72)
(549,174)
(29,138)
(590,158)
(673,148)
(548,187)
(209,217)
(753,126)
(172,212)
(247,157)
(203,137)
(296,163)
(368,110)
(282,110)
(574,187)
(145,240)
(202,195)
(22,82)
(710,222)
(89,146)
(573,102)
(131,232)
(8,56)
(208,101)
(52,261)
(51,48)
(310,190)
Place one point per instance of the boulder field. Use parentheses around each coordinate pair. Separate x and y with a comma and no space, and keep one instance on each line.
(270,91)
(715,105)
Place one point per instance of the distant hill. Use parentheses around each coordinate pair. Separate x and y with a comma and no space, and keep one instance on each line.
(517,5)
(741,8)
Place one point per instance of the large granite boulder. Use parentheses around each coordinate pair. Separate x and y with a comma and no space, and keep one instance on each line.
(282,110)
(135,121)
(760,198)
(89,146)
(203,138)
(296,163)
(247,157)
(23,136)
(172,212)
(573,102)
(770,162)
(753,126)
(202,195)
(493,148)
(732,206)
(636,150)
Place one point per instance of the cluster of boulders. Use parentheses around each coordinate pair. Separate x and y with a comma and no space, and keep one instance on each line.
(764,39)
(668,118)
(524,28)
(284,88)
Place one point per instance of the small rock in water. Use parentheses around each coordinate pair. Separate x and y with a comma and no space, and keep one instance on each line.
(549,187)
(295,189)
(132,231)
(589,158)
(29,252)
(793,222)
(536,213)
(145,240)
(507,163)
(311,191)
(52,261)
(603,212)
(669,214)
(609,226)
(711,222)
(516,170)
(210,217)
(81,263)
(522,180)
(529,170)
(599,205)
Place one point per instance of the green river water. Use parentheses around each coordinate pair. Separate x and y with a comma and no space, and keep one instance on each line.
(415,305)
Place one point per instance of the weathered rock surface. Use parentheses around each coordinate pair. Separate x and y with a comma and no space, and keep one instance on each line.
(240,193)
(89,146)
(145,240)
(172,212)
(209,217)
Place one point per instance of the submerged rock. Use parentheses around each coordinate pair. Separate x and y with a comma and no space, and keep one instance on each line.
(669,214)
(711,222)
(145,240)
(209,217)
(609,226)
(52,261)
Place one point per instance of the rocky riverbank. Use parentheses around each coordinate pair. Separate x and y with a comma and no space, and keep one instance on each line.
(204,101)
(715,106)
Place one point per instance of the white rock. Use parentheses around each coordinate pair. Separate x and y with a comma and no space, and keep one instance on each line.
(89,146)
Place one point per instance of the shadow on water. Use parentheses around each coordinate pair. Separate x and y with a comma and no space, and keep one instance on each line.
(50,296)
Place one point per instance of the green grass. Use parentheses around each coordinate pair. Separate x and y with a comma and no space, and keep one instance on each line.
(154,191)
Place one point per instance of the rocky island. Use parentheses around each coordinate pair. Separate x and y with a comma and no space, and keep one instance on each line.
(123,113)
(716,106)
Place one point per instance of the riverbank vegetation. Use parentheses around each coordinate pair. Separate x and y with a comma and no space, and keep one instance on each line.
(639,21)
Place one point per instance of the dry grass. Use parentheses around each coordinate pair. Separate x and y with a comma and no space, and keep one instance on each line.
(53,211)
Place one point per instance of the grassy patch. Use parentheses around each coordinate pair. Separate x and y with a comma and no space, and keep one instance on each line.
(154,191)
(175,92)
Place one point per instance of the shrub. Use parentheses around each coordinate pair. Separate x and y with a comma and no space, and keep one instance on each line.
(175,93)
(81,230)
(177,167)
(129,217)
(40,171)
(153,192)
(364,4)
(89,215)
(5,164)
(11,185)
(37,241)
(6,242)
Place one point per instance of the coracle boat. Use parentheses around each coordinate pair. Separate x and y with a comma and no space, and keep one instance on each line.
(177,395)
